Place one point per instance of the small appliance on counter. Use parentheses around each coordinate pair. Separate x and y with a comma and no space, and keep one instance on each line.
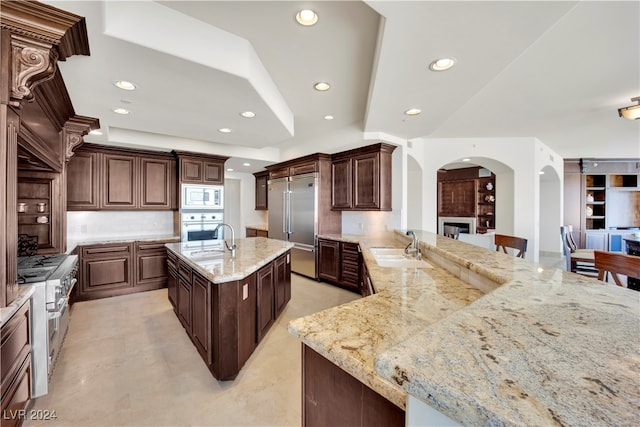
(53,277)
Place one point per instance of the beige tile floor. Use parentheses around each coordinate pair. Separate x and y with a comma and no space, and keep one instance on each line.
(127,361)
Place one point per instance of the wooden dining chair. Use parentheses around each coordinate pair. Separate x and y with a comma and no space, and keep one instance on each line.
(579,261)
(451,231)
(617,263)
(518,243)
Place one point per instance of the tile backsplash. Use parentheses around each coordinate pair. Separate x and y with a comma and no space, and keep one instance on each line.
(90,225)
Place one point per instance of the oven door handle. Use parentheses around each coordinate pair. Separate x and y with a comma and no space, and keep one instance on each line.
(62,305)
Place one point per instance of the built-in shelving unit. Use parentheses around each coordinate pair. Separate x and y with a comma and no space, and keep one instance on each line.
(485,205)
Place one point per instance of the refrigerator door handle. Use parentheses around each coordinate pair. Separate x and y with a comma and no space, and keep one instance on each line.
(285,211)
(291,224)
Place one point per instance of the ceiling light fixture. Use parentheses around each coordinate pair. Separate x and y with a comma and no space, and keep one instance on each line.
(248,114)
(466,160)
(119,110)
(306,17)
(413,112)
(321,86)
(124,85)
(224,130)
(246,164)
(229,169)
(442,64)
(329,117)
(632,112)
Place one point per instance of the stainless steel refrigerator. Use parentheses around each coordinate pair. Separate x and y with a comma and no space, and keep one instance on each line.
(293,216)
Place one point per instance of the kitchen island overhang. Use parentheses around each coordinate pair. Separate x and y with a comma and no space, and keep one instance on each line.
(541,347)
(227,304)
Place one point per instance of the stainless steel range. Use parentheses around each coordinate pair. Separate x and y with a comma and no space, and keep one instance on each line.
(54,277)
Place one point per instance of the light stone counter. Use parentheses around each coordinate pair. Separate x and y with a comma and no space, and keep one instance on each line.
(542,347)
(24,293)
(212,260)
(72,244)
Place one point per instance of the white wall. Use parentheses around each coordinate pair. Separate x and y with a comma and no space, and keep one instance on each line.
(248,215)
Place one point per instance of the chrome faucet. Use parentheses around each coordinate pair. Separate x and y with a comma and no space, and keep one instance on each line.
(231,248)
(414,246)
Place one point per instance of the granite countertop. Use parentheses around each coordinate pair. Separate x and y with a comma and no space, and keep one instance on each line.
(24,293)
(544,347)
(72,244)
(212,260)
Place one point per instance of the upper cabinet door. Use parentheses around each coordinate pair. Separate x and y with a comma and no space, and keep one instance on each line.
(341,184)
(82,182)
(120,181)
(214,173)
(191,170)
(366,186)
(156,183)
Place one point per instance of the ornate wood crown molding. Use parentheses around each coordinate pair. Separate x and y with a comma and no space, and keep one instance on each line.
(41,35)
(74,131)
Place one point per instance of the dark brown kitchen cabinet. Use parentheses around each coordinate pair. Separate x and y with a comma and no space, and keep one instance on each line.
(226,321)
(151,265)
(172,279)
(362,178)
(282,272)
(108,270)
(15,353)
(157,185)
(201,316)
(105,270)
(83,181)
(329,260)
(350,260)
(184,303)
(340,263)
(457,198)
(254,232)
(261,202)
(342,184)
(265,302)
(332,397)
(121,179)
(194,168)
(39,129)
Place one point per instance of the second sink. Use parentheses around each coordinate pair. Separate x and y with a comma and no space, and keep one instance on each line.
(395,257)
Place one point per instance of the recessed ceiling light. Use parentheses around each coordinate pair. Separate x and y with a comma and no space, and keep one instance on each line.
(229,169)
(224,130)
(328,117)
(321,86)
(248,114)
(120,110)
(306,17)
(413,112)
(466,160)
(541,172)
(124,85)
(246,164)
(442,64)
(95,132)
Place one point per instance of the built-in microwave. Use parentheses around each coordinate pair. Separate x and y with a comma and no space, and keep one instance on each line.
(196,196)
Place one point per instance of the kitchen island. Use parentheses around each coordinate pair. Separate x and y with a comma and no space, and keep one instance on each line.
(536,346)
(227,304)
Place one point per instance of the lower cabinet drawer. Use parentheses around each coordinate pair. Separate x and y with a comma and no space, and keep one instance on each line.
(15,346)
(18,395)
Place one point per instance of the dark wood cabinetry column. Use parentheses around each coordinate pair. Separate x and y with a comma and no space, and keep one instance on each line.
(34,37)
